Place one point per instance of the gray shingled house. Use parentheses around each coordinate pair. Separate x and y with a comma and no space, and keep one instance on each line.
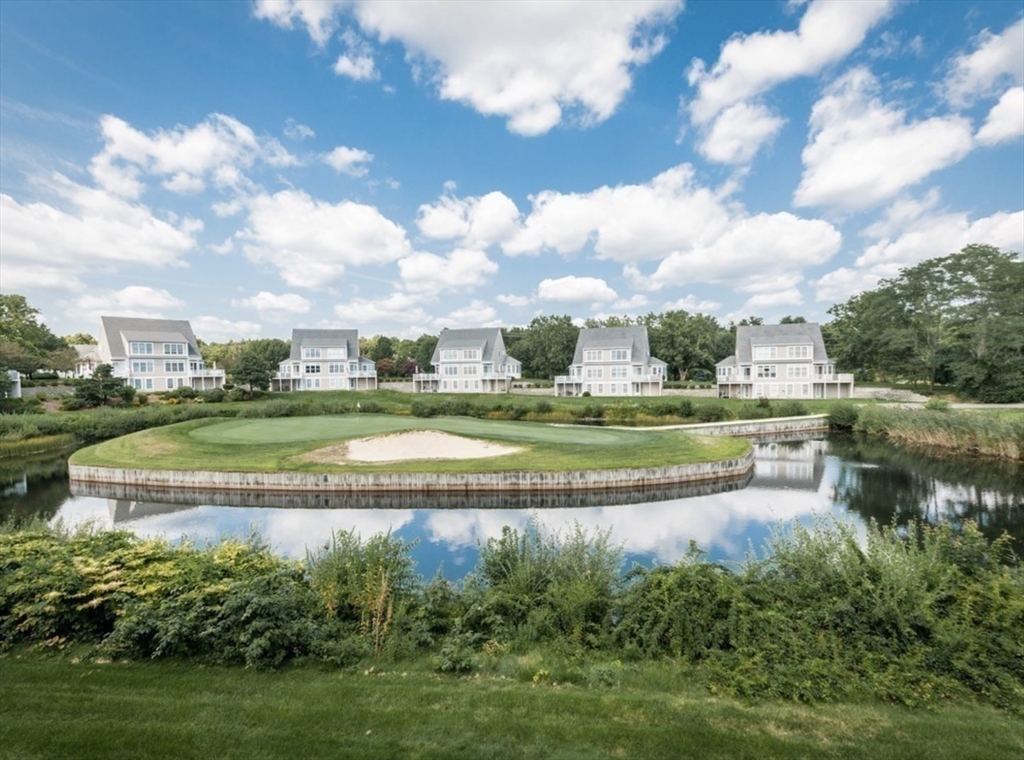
(470,360)
(613,361)
(325,360)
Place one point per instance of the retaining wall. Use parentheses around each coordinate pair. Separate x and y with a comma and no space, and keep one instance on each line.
(406,481)
(812,423)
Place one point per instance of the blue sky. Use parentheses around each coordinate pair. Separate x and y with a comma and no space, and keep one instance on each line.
(402,167)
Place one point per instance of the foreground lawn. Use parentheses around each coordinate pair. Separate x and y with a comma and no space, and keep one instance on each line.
(279,444)
(51,707)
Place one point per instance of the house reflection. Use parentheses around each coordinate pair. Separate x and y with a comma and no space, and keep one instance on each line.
(789,464)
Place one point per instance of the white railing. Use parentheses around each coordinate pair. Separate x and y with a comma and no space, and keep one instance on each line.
(206,373)
(646,378)
(841,377)
(567,380)
(363,373)
(425,377)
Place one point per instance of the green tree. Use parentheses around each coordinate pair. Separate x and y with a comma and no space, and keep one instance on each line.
(687,342)
(423,352)
(253,370)
(26,345)
(383,348)
(80,339)
(101,387)
(547,347)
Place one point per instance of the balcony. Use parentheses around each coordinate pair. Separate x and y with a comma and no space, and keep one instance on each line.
(841,377)
(645,378)
(206,373)
(425,377)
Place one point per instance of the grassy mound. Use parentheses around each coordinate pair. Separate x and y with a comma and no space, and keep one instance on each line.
(281,445)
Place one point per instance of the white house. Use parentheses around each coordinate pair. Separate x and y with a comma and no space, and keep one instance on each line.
(88,359)
(613,361)
(469,361)
(781,361)
(325,360)
(155,354)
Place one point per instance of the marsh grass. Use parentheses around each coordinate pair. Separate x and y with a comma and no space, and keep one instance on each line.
(994,435)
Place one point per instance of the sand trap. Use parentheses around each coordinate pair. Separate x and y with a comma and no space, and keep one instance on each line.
(416,444)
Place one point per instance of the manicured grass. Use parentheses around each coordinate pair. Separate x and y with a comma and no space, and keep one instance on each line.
(51,707)
(278,444)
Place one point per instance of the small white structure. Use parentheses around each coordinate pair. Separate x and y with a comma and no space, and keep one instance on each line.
(155,354)
(88,359)
(13,384)
(469,361)
(325,360)
(781,361)
(613,361)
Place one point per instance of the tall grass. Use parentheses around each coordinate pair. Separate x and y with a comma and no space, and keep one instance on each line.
(964,432)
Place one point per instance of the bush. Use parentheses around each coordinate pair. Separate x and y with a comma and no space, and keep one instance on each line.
(789,409)
(543,407)
(843,416)
(936,404)
(712,413)
(213,396)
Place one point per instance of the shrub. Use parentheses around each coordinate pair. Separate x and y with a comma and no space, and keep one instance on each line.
(789,409)
(712,413)
(543,407)
(843,416)
(236,394)
(213,396)
(936,404)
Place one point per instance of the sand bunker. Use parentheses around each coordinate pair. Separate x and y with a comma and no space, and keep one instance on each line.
(417,444)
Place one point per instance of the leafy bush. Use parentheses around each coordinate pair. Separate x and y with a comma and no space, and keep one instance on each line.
(843,416)
(936,404)
(789,409)
(712,413)
(213,396)
(543,407)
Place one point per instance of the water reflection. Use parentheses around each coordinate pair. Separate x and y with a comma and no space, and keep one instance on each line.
(792,480)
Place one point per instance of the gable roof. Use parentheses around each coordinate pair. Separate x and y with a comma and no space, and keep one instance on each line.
(487,339)
(347,339)
(633,338)
(118,331)
(748,336)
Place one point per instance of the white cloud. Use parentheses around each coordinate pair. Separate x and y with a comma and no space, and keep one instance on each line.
(90,229)
(572,289)
(626,223)
(998,60)
(348,161)
(839,285)
(273,307)
(787,297)
(749,65)
(209,328)
(476,314)
(691,303)
(357,62)
(310,241)
(476,222)
(738,133)
(22,276)
(1005,121)
(461,269)
(530,63)
(752,249)
(510,299)
(217,149)
(863,151)
(132,301)
(296,130)
(401,309)
(636,301)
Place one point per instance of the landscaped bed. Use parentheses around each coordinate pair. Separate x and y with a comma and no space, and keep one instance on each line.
(332,443)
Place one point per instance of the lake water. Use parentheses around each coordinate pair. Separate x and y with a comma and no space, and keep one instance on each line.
(851,480)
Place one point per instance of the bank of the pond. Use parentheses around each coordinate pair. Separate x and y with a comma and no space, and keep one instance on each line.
(287,455)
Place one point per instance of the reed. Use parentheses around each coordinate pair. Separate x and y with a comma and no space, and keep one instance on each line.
(963,432)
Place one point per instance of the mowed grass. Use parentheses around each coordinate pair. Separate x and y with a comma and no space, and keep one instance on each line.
(278,445)
(51,707)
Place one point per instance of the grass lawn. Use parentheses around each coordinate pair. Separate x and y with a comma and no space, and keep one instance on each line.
(278,444)
(51,707)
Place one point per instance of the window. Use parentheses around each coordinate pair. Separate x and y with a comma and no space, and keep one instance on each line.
(620,372)
(470,369)
(449,356)
(465,384)
(765,352)
(593,372)
(798,370)
(353,367)
(593,356)
(136,348)
(488,368)
(471,353)
(174,366)
(476,384)
(336,368)
(620,355)
(337,353)
(765,370)
(805,390)
(798,352)
(337,382)
(174,349)
(311,353)
(444,385)
(451,369)
(143,366)
(600,387)
(143,383)
(615,388)
(312,369)
(313,383)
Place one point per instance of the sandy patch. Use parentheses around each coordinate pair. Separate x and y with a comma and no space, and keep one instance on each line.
(415,444)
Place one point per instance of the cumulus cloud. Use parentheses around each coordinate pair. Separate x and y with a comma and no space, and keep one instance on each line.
(863,151)
(475,314)
(474,221)
(510,299)
(297,131)
(572,289)
(132,301)
(311,242)
(535,64)
(738,133)
(459,270)
(273,307)
(691,303)
(88,228)
(357,61)
(218,149)
(210,328)
(998,60)
(350,161)
(402,313)
(1005,122)
(750,65)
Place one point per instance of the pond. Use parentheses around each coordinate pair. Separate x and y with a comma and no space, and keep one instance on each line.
(850,479)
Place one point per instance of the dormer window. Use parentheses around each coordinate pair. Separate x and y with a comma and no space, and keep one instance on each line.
(140,348)
(471,354)
(620,354)
(174,349)
(593,355)
(310,353)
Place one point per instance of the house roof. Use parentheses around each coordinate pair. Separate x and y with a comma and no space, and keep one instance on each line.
(748,336)
(347,339)
(633,338)
(87,351)
(119,330)
(487,339)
